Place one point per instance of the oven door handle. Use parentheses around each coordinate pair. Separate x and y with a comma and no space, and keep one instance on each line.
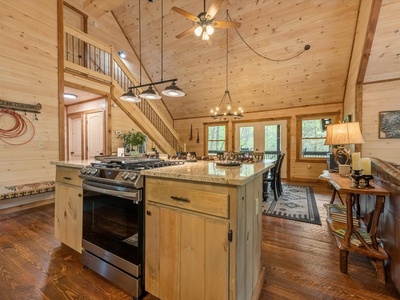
(134,195)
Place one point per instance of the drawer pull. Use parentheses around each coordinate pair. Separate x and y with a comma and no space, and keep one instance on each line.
(181,199)
(67,178)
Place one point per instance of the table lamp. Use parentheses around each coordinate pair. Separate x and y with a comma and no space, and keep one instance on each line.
(343,134)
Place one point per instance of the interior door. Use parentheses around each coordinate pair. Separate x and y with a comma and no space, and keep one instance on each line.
(95,134)
(267,136)
(75,137)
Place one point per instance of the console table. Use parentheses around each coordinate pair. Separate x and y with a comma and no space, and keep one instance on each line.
(375,251)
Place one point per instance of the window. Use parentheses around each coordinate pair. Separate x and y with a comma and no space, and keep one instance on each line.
(311,137)
(246,137)
(216,139)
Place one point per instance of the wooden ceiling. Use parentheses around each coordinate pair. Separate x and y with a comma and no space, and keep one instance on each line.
(277,30)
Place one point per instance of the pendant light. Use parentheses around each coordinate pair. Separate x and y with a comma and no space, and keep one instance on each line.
(172,90)
(130,96)
(150,94)
(219,113)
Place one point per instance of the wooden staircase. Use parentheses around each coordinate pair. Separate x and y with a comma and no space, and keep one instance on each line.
(88,62)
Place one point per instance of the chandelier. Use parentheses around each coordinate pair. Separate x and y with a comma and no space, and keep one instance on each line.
(225,108)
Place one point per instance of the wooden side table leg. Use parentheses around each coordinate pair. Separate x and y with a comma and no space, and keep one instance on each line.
(344,257)
(380,271)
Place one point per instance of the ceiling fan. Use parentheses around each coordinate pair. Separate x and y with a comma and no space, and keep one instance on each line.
(205,21)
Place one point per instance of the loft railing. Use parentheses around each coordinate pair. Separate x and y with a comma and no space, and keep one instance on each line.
(86,52)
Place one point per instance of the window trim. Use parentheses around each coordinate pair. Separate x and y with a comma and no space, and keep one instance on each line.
(299,134)
(206,135)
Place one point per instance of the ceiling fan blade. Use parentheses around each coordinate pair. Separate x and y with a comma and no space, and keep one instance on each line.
(226,24)
(185,33)
(214,7)
(185,13)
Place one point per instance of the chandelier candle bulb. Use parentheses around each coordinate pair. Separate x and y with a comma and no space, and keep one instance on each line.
(356,161)
(366,166)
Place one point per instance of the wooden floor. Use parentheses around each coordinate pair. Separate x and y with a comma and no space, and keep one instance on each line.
(302,262)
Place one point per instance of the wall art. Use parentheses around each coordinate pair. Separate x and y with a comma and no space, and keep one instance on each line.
(389,124)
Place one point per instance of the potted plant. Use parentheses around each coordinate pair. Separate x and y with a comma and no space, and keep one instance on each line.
(133,139)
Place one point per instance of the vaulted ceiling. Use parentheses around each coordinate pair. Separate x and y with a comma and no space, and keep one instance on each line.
(266,80)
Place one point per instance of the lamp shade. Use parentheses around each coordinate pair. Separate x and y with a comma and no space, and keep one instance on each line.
(173,91)
(150,94)
(130,96)
(343,134)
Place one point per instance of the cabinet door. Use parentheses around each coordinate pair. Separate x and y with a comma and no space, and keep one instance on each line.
(68,215)
(186,255)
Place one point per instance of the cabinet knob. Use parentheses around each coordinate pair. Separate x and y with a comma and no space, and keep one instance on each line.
(65,213)
(148,212)
(80,195)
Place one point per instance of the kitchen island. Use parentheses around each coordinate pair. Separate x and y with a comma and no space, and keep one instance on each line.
(203,231)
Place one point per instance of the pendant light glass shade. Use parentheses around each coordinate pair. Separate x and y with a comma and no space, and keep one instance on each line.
(150,94)
(130,96)
(173,91)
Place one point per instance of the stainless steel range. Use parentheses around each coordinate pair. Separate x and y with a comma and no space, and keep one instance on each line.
(113,219)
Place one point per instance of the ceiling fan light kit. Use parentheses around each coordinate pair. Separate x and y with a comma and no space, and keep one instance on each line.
(205,21)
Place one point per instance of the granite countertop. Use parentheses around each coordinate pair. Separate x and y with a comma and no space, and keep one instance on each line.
(208,171)
(76,163)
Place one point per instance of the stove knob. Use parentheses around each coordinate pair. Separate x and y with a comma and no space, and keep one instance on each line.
(83,170)
(94,171)
(125,175)
(132,176)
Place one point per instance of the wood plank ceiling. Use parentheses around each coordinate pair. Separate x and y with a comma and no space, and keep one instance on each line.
(275,29)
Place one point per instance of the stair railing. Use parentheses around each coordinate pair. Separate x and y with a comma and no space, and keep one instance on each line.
(87,55)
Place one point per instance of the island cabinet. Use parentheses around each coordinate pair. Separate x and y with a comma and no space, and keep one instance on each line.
(202,239)
(68,207)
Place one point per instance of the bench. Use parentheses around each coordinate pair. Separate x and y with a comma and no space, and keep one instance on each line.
(26,193)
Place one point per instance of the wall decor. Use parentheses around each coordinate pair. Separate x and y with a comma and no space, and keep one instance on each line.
(198,137)
(191,133)
(389,124)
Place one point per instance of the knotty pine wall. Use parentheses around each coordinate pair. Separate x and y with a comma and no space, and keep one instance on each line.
(296,170)
(28,74)
(379,97)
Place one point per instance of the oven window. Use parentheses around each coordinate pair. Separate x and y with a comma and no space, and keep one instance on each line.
(112,223)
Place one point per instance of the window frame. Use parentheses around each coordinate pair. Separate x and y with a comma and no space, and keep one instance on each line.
(299,134)
(207,126)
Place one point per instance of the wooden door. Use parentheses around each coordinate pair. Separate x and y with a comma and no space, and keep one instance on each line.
(75,137)
(95,134)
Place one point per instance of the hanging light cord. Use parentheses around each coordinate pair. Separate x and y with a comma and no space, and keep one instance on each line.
(140,45)
(162,39)
(306,47)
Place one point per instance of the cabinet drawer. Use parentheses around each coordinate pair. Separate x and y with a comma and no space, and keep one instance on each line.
(177,195)
(68,175)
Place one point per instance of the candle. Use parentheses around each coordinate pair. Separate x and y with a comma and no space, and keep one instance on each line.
(356,161)
(366,166)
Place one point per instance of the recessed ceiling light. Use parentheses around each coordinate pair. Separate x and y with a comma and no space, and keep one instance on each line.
(122,54)
(70,96)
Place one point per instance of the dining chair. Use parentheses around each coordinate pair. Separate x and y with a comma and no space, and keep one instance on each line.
(273,178)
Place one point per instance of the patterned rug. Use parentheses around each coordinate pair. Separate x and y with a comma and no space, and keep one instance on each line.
(296,203)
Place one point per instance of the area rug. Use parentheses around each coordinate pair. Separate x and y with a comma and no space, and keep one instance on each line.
(296,203)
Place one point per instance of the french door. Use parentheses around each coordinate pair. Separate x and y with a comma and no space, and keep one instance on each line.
(268,137)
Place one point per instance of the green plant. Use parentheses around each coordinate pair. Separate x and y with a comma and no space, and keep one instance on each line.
(133,138)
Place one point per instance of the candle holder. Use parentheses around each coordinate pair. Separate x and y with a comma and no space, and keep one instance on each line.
(367,178)
(356,175)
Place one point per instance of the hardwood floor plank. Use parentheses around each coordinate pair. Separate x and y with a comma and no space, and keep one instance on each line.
(301,260)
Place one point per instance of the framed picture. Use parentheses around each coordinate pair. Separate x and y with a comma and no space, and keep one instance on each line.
(389,124)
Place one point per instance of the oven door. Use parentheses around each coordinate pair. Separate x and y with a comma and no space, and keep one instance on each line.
(113,225)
